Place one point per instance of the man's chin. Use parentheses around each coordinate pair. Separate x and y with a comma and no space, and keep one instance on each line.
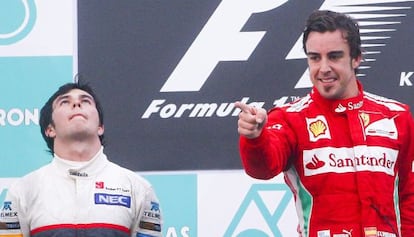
(328,93)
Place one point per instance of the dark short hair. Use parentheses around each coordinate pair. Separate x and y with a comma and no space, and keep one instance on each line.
(324,20)
(45,118)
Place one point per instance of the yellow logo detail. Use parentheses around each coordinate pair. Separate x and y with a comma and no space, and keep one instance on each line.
(365,118)
(317,128)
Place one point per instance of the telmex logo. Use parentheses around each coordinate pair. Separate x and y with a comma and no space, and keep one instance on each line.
(221,39)
(18,19)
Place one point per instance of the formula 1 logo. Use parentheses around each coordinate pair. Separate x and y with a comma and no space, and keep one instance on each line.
(18,19)
(221,39)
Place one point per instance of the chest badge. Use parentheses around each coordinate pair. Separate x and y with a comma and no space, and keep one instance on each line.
(318,128)
(364,118)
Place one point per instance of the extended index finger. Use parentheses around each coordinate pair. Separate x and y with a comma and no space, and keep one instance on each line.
(243,107)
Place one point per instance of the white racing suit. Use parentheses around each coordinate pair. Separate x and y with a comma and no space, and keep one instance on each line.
(98,198)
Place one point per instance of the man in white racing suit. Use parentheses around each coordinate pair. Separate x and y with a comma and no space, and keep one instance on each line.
(81,192)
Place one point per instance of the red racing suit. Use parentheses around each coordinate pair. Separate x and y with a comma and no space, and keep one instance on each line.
(349,163)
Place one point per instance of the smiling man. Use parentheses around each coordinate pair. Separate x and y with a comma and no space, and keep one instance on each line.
(81,192)
(346,154)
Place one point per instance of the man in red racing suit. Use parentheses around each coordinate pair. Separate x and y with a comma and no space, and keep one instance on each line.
(347,159)
(342,181)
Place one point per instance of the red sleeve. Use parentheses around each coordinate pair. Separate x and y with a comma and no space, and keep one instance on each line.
(268,155)
(406,180)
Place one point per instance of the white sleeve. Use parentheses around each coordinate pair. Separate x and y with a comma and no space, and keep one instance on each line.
(149,218)
(12,221)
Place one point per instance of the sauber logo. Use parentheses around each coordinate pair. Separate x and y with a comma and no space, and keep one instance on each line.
(344,160)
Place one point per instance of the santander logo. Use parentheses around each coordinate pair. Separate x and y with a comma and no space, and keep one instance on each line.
(349,159)
(315,163)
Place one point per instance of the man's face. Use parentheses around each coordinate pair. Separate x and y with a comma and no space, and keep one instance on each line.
(75,116)
(331,67)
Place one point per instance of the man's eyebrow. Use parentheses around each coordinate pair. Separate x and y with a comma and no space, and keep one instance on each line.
(65,96)
(339,52)
(86,96)
(312,54)
(61,97)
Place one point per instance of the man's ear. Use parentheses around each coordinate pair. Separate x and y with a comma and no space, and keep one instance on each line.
(50,131)
(356,61)
(101,130)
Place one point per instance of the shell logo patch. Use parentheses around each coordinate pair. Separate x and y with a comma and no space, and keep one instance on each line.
(318,128)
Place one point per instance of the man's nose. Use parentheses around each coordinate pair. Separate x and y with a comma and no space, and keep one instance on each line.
(324,66)
(76,104)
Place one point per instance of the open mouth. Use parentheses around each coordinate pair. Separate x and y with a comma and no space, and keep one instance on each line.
(327,79)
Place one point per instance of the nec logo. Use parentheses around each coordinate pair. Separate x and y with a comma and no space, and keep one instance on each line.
(111,199)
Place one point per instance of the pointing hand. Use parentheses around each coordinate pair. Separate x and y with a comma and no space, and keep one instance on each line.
(251,120)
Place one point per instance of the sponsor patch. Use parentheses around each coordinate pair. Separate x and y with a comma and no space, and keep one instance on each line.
(324,233)
(318,128)
(99,185)
(383,128)
(353,159)
(6,211)
(365,118)
(77,173)
(7,206)
(145,225)
(385,234)
(112,199)
(370,231)
(9,225)
(152,210)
